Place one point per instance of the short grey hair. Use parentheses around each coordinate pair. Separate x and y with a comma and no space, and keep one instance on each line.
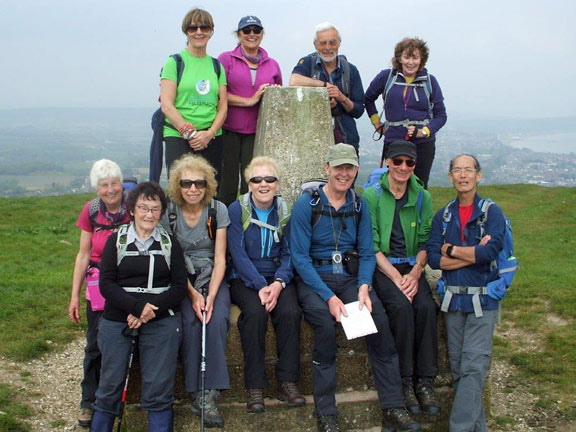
(323,26)
(102,169)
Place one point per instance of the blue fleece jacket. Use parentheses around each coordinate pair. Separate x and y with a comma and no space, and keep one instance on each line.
(398,107)
(254,252)
(478,274)
(304,68)
(318,243)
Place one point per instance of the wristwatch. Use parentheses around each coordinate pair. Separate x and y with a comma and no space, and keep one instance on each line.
(281,282)
(449,251)
(425,132)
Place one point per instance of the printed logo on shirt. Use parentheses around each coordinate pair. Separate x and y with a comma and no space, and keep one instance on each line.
(203,87)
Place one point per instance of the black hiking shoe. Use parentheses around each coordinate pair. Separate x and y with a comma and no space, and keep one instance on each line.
(427,395)
(85,417)
(212,417)
(409,396)
(328,423)
(398,420)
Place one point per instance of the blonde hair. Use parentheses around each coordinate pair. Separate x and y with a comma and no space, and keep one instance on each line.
(192,162)
(262,161)
(197,16)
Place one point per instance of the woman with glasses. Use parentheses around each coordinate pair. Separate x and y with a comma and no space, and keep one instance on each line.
(249,71)
(199,223)
(260,280)
(413,103)
(98,219)
(194,99)
(143,279)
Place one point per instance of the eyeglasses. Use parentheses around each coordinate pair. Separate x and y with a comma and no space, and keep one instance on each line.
(267,179)
(331,42)
(467,170)
(409,162)
(203,28)
(145,209)
(254,29)
(187,183)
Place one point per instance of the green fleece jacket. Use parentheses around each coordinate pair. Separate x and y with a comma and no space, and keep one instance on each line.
(382,215)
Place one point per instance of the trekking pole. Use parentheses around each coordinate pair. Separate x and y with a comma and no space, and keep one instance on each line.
(203,364)
(134,334)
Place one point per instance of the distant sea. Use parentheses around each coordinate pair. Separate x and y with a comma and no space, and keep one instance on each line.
(549,143)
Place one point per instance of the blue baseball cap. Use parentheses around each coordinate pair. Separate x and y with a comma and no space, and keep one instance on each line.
(248,21)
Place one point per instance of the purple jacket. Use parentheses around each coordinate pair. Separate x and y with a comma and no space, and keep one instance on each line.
(398,109)
(243,119)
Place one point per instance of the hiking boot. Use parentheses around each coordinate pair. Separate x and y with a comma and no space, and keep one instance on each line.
(409,396)
(427,395)
(212,417)
(255,402)
(85,417)
(398,420)
(328,423)
(288,391)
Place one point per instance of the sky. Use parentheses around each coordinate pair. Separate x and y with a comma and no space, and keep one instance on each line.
(492,58)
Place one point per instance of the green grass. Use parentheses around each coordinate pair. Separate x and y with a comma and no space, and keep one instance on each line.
(11,411)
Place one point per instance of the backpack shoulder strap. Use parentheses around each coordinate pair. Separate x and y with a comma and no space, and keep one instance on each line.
(419,202)
(284,213)
(217,68)
(446,217)
(345,74)
(165,244)
(484,205)
(212,221)
(172,216)
(121,243)
(428,91)
(179,67)
(314,73)
(93,212)
(246,210)
(392,77)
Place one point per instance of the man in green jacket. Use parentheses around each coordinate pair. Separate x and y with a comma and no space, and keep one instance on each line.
(401,213)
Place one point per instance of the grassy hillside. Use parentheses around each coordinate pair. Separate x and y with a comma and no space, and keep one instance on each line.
(39,242)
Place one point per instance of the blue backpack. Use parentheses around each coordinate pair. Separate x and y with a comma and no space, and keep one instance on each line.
(506,262)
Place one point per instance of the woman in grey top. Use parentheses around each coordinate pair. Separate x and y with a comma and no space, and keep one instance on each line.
(199,223)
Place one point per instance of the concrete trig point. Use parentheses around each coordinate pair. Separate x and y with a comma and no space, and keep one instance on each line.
(295,127)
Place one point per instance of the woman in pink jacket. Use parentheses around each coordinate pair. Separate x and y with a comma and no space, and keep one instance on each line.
(249,71)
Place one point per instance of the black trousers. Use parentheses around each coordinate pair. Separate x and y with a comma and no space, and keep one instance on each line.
(178,147)
(425,153)
(238,150)
(413,324)
(381,350)
(252,324)
(92,358)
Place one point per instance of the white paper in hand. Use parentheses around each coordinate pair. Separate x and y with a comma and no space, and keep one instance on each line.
(358,323)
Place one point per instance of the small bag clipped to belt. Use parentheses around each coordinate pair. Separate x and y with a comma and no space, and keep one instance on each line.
(351,262)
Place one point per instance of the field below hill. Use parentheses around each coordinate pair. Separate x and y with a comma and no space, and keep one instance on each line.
(535,342)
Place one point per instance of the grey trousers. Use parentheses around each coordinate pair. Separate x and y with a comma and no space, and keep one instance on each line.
(470,353)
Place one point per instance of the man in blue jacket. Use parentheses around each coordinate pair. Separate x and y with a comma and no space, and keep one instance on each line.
(329,223)
(325,68)
(464,242)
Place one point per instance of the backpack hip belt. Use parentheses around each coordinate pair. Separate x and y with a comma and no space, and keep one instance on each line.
(407,122)
(406,260)
(153,290)
(475,292)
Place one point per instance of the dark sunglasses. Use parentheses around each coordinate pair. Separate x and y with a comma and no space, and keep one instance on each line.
(204,28)
(187,183)
(267,179)
(409,162)
(255,29)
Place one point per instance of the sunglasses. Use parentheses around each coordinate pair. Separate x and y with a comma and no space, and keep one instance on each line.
(203,28)
(409,162)
(255,29)
(267,179)
(187,183)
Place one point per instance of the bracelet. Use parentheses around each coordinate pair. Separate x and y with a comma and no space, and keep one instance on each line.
(187,131)
(325,84)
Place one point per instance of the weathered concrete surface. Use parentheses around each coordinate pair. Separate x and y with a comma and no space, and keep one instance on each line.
(295,127)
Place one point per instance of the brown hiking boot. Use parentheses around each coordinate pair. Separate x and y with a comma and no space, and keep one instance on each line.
(85,417)
(255,402)
(427,395)
(398,420)
(410,399)
(289,392)
(328,423)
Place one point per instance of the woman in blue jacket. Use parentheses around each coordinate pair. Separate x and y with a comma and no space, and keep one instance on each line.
(413,103)
(260,283)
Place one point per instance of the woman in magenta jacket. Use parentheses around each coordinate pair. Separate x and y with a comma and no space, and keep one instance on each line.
(249,71)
